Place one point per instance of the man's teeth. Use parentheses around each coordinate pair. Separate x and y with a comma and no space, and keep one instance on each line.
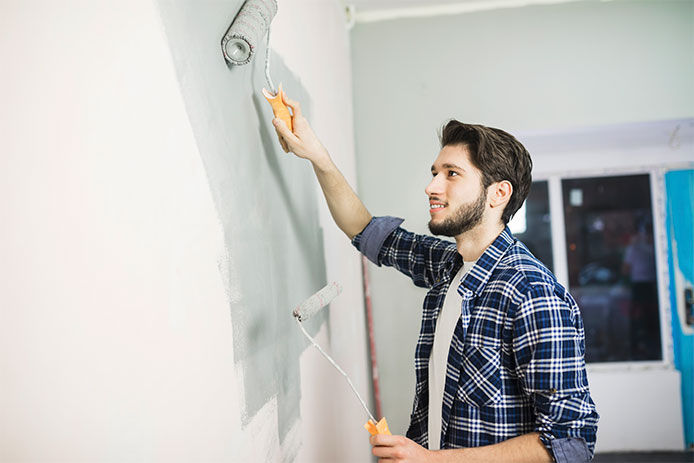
(437,206)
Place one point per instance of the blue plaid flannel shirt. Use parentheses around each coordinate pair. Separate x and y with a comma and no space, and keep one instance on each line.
(516,363)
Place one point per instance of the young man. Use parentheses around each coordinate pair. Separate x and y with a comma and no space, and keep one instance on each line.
(499,363)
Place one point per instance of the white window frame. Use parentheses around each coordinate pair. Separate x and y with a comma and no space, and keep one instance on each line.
(561,266)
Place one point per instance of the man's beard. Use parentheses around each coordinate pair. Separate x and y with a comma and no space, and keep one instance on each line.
(465,218)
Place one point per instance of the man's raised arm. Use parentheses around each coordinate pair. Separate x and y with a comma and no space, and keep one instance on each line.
(347,210)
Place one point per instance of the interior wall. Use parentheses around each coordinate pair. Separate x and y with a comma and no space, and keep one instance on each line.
(115,326)
(535,68)
(120,272)
(545,69)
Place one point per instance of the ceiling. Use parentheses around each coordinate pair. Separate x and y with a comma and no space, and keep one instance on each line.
(365,5)
(376,10)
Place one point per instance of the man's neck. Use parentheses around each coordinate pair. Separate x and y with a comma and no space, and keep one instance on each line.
(472,244)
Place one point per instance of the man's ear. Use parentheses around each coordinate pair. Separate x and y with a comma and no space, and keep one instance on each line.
(499,193)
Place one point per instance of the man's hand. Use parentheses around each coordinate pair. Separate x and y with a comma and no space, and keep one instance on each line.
(400,449)
(302,142)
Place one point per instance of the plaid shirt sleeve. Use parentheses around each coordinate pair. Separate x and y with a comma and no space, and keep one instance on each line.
(549,352)
(419,257)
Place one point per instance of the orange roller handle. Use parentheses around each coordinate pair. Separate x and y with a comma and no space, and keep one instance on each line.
(377,428)
(279,109)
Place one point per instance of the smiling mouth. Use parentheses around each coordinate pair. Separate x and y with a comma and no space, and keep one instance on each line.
(433,208)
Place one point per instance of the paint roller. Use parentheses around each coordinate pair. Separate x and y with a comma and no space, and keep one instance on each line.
(241,41)
(305,311)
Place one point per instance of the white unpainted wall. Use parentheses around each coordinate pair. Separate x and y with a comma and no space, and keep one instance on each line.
(115,333)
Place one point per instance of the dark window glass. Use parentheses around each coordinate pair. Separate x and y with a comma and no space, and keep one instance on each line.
(532,225)
(611,260)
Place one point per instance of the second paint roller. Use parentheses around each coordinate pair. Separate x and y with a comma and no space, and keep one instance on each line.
(241,41)
(305,311)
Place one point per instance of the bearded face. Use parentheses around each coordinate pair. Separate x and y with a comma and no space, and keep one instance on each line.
(461,219)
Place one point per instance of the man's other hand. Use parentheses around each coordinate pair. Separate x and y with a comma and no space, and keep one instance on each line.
(400,449)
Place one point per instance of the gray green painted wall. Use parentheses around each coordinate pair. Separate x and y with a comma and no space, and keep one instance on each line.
(265,200)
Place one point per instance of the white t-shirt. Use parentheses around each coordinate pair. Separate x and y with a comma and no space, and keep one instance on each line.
(438,362)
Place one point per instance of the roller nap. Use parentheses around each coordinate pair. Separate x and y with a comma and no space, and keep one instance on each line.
(243,36)
(313,304)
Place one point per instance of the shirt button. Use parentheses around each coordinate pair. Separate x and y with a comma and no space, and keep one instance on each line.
(552,391)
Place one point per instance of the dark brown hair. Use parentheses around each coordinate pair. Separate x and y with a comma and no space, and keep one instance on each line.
(497,154)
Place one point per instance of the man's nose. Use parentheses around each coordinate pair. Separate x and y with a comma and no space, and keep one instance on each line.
(434,186)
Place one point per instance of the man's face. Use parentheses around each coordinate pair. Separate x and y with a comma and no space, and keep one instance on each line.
(457,200)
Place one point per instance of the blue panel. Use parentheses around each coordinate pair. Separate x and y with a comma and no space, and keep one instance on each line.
(679,186)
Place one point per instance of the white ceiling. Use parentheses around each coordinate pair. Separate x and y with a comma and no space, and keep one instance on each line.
(378,10)
(365,5)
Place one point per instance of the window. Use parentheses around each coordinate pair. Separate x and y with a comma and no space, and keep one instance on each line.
(610,260)
(611,266)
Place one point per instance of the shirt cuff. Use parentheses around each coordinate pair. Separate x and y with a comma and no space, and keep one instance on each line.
(569,450)
(371,238)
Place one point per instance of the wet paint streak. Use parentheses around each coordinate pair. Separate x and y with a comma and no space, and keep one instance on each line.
(266,201)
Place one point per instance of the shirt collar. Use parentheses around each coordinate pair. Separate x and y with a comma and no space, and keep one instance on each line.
(476,279)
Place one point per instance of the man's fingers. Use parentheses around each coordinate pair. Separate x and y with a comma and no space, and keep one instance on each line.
(384,440)
(284,135)
(282,128)
(382,452)
(282,141)
(393,448)
(296,107)
(390,453)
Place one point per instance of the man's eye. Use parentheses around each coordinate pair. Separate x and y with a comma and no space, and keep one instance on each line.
(452,173)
